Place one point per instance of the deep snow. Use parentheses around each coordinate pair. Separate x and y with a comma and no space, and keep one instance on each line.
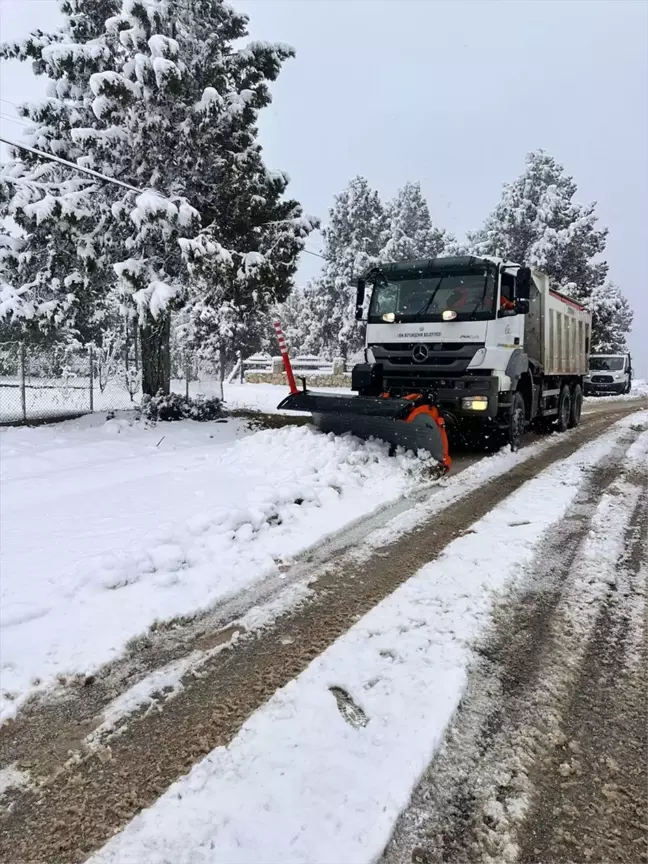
(300,783)
(109,526)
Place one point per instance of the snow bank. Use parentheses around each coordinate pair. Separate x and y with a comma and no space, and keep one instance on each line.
(107,527)
(308,781)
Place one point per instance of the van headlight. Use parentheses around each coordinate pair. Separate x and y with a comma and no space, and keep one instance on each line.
(474,403)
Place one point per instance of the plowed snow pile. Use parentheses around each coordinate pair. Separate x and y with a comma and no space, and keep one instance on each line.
(108,527)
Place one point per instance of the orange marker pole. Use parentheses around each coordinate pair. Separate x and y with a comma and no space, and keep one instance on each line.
(284,356)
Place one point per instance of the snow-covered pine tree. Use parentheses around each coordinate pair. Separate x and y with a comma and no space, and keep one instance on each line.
(411,232)
(160,96)
(353,239)
(611,319)
(538,222)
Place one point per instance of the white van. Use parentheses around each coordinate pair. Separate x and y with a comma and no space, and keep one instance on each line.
(608,374)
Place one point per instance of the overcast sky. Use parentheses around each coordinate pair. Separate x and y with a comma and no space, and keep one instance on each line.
(453,94)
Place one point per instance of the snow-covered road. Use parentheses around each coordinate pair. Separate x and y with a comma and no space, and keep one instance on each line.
(110,526)
(323,770)
(309,735)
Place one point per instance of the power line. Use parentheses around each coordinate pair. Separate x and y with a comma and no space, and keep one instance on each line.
(69,164)
(9,102)
(102,177)
(14,119)
(316,254)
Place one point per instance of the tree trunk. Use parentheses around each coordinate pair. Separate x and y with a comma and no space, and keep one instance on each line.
(155,345)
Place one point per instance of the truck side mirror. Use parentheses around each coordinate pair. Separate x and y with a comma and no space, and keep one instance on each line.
(360,296)
(522,290)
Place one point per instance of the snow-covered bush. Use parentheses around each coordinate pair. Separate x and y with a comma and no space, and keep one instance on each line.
(174,406)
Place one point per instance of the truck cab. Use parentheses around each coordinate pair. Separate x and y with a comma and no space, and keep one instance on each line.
(450,324)
(608,374)
(487,339)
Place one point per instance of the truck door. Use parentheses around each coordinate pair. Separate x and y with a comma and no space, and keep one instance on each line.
(506,332)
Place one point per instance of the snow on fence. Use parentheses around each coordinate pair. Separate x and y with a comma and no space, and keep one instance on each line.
(262,368)
(57,382)
(38,383)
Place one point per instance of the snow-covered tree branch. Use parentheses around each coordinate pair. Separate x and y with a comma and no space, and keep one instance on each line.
(539,222)
(166,99)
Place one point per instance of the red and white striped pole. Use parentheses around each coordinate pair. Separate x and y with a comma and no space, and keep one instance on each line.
(284,356)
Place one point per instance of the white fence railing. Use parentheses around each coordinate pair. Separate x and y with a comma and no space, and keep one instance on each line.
(305,363)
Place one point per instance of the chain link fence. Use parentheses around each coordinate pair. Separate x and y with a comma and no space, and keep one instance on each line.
(57,382)
(39,384)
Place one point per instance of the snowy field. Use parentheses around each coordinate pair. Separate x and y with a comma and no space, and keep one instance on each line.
(109,526)
(318,786)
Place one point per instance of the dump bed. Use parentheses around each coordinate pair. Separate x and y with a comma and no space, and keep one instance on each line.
(557,330)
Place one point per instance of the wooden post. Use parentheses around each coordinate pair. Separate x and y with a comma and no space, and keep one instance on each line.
(239,354)
(21,379)
(91,370)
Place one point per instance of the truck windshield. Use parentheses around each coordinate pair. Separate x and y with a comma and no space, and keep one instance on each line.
(470,294)
(606,364)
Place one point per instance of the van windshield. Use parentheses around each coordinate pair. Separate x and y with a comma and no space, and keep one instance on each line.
(607,364)
(470,294)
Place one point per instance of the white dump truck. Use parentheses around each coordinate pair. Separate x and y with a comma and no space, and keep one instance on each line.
(468,344)
(608,374)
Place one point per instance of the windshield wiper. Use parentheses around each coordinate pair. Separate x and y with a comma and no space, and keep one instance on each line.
(430,299)
(480,302)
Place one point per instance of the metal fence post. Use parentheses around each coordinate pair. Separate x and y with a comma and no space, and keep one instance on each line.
(91,369)
(23,386)
(239,354)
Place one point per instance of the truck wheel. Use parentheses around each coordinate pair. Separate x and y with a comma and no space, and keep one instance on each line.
(628,387)
(516,422)
(576,406)
(564,409)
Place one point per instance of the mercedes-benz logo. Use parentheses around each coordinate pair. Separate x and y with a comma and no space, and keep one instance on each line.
(420,353)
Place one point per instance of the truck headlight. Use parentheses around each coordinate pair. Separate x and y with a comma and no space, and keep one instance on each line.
(474,403)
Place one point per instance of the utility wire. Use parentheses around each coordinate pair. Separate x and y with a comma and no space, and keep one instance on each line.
(13,119)
(69,164)
(99,176)
(316,254)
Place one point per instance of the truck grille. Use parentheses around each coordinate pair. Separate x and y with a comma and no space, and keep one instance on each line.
(602,379)
(438,359)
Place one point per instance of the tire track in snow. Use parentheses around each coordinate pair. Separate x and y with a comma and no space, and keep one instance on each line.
(81,805)
(479,799)
(591,801)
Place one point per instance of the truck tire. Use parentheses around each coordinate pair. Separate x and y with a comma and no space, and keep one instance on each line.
(564,409)
(576,406)
(628,387)
(516,421)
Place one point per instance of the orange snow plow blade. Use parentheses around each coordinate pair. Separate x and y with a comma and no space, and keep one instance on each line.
(407,422)
(430,411)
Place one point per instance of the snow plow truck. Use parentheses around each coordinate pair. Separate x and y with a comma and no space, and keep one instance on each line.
(458,347)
